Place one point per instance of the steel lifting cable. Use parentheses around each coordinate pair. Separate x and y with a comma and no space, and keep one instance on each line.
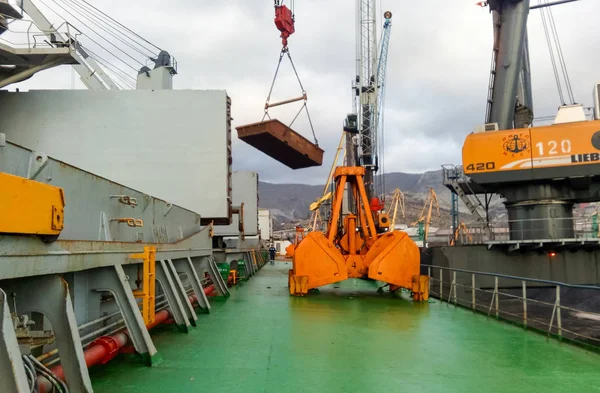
(282,2)
(551,32)
(285,51)
(97,21)
(100,35)
(123,26)
(115,70)
(552,58)
(561,56)
(125,33)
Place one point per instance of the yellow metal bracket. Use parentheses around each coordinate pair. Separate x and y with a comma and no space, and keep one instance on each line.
(254,258)
(148,291)
(420,288)
(30,207)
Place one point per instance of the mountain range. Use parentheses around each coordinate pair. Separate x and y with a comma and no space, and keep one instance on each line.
(289,203)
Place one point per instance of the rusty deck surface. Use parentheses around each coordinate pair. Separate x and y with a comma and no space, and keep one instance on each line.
(280,142)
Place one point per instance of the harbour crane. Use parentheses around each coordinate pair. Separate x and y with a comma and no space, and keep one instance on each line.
(397,202)
(540,171)
(462,232)
(358,241)
(424,220)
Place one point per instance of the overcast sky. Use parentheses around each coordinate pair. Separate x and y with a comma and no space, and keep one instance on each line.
(437,73)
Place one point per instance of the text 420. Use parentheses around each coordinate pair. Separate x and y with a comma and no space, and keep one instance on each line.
(481,166)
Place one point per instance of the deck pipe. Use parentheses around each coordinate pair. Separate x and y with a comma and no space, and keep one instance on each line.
(104,349)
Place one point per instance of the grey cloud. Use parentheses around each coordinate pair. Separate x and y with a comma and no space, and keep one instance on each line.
(437,74)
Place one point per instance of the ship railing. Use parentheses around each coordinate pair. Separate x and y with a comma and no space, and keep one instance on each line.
(454,173)
(543,230)
(173,64)
(26,34)
(573,228)
(565,312)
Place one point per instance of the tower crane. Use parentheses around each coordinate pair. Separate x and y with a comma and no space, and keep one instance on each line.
(360,244)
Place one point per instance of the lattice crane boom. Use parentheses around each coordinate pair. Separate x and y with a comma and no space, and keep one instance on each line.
(381,78)
(366,90)
(369,88)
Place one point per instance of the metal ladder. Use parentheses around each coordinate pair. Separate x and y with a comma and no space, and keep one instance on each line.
(453,177)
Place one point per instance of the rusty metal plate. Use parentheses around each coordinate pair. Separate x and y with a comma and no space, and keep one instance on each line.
(280,142)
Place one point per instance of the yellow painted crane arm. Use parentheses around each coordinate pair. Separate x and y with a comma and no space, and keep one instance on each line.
(462,228)
(397,201)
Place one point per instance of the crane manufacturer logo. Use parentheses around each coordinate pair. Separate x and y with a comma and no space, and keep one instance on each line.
(589,157)
(516,144)
(596,140)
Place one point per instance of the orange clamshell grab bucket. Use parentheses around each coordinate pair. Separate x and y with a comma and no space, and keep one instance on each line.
(353,248)
(393,259)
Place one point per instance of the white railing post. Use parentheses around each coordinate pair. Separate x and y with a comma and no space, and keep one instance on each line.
(441,288)
(473,291)
(558,315)
(496,291)
(524,303)
(454,286)
(430,279)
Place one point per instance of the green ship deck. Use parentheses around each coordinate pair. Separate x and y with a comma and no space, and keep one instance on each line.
(349,339)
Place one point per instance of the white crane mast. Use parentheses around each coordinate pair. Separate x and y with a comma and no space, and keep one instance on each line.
(366,95)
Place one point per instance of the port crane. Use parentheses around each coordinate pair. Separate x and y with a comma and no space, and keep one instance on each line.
(397,202)
(462,232)
(540,171)
(424,220)
(358,242)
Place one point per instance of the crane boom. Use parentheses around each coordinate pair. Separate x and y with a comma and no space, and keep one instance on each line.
(510,81)
(382,68)
(92,75)
(366,91)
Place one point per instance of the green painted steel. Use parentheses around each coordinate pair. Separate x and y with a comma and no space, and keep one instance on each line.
(349,339)
(224,270)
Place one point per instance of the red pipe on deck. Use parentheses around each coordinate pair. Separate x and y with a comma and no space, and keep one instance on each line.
(106,348)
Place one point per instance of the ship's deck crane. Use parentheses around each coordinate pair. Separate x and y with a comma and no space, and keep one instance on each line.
(122,50)
(360,244)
